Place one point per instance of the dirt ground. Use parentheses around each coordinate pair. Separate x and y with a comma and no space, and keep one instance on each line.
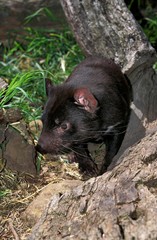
(22,189)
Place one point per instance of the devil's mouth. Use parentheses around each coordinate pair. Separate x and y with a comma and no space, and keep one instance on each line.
(67,148)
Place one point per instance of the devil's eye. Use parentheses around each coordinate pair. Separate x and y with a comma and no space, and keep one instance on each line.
(64,126)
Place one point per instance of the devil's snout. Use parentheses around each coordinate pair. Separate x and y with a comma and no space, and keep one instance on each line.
(41,146)
(40,149)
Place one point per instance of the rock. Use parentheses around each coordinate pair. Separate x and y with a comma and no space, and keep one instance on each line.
(10,115)
(13,115)
(17,150)
(2,132)
(3,84)
(18,153)
(35,127)
(35,209)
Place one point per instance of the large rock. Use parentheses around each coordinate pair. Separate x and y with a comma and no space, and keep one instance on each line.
(35,209)
(19,154)
(17,150)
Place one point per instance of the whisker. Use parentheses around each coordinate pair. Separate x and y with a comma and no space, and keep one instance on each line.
(116,127)
(104,131)
(107,131)
(87,139)
(72,150)
(112,133)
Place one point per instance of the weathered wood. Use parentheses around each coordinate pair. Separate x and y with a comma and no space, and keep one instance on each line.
(108,28)
(121,204)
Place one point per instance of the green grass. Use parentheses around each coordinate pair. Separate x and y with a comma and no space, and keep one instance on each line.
(28,61)
(4,193)
(151,29)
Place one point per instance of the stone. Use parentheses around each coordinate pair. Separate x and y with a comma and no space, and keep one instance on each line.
(18,151)
(35,209)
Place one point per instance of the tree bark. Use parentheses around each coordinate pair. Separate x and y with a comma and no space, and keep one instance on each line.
(107,28)
(121,204)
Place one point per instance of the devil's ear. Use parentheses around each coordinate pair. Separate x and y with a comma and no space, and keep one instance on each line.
(48,86)
(86,99)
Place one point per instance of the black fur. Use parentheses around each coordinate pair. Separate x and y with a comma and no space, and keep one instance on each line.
(92,105)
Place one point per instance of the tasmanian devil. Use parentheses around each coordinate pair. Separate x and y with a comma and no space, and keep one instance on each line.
(92,105)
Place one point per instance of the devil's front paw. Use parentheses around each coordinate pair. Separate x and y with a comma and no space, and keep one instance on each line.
(86,165)
(89,169)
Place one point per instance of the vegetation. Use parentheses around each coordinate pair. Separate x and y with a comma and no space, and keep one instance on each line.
(148,14)
(150,28)
(28,61)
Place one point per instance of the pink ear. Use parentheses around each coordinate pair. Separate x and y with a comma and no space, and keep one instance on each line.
(85,98)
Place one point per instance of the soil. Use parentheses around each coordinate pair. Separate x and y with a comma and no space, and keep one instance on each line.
(21,189)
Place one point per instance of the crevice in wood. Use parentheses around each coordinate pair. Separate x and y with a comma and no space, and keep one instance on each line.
(101,231)
(121,229)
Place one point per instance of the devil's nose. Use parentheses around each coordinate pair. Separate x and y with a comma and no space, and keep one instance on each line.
(40,148)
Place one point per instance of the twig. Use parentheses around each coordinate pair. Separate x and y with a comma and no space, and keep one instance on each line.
(28,197)
(10,223)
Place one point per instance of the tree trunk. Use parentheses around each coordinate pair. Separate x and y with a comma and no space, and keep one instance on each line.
(107,28)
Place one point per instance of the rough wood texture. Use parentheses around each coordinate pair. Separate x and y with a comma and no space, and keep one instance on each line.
(108,28)
(121,204)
